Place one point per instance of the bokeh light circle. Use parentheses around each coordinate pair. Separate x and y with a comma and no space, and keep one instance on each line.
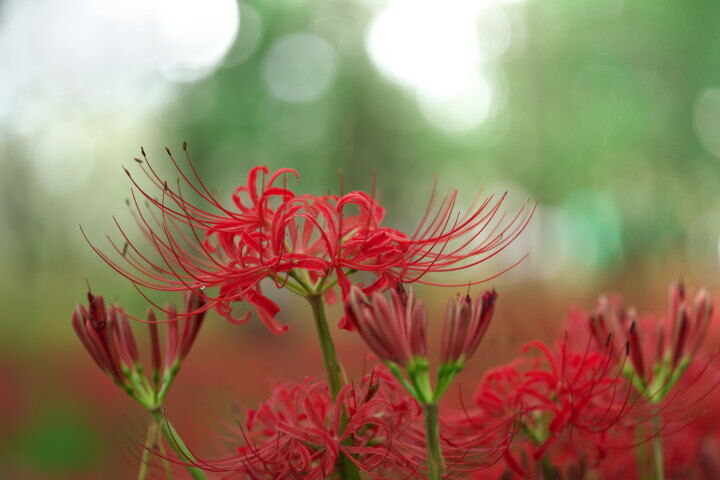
(299,67)
(196,35)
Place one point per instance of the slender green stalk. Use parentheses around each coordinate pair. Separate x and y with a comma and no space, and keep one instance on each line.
(548,472)
(657,450)
(642,456)
(166,463)
(346,468)
(547,468)
(332,366)
(435,462)
(178,445)
(149,441)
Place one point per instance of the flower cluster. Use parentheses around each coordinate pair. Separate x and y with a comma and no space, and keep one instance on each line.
(302,432)
(556,411)
(396,331)
(306,243)
(108,338)
(564,402)
(660,349)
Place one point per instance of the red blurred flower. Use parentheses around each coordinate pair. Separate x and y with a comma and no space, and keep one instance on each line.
(566,403)
(660,347)
(688,431)
(306,243)
(661,357)
(301,432)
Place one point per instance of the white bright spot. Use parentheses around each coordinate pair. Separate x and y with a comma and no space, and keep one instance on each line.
(195,35)
(706,119)
(67,64)
(97,55)
(494,31)
(299,67)
(459,111)
(440,50)
(426,45)
(249,36)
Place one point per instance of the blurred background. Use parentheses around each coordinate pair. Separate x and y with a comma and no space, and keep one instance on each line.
(605,110)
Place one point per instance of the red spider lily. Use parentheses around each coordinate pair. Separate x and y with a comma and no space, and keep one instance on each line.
(395,331)
(566,400)
(688,429)
(660,348)
(108,338)
(301,432)
(465,325)
(296,241)
(667,369)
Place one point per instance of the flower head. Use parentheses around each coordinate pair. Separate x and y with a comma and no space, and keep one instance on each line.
(301,432)
(307,243)
(108,338)
(395,330)
(566,402)
(660,347)
(465,325)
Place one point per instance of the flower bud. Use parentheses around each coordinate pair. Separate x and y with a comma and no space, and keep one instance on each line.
(465,325)
(394,330)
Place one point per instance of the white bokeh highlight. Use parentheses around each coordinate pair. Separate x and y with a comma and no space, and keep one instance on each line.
(299,68)
(443,53)
(69,65)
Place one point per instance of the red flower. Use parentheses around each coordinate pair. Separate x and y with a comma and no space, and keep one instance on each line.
(660,347)
(567,401)
(667,368)
(688,423)
(299,242)
(465,325)
(395,331)
(301,432)
(108,338)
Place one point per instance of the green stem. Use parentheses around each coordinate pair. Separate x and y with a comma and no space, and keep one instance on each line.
(548,472)
(641,455)
(657,450)
(161,447)
(347,470)
(167,381)
(178,445)
(149,441)
(332,366)
(435,461)
(547,468)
